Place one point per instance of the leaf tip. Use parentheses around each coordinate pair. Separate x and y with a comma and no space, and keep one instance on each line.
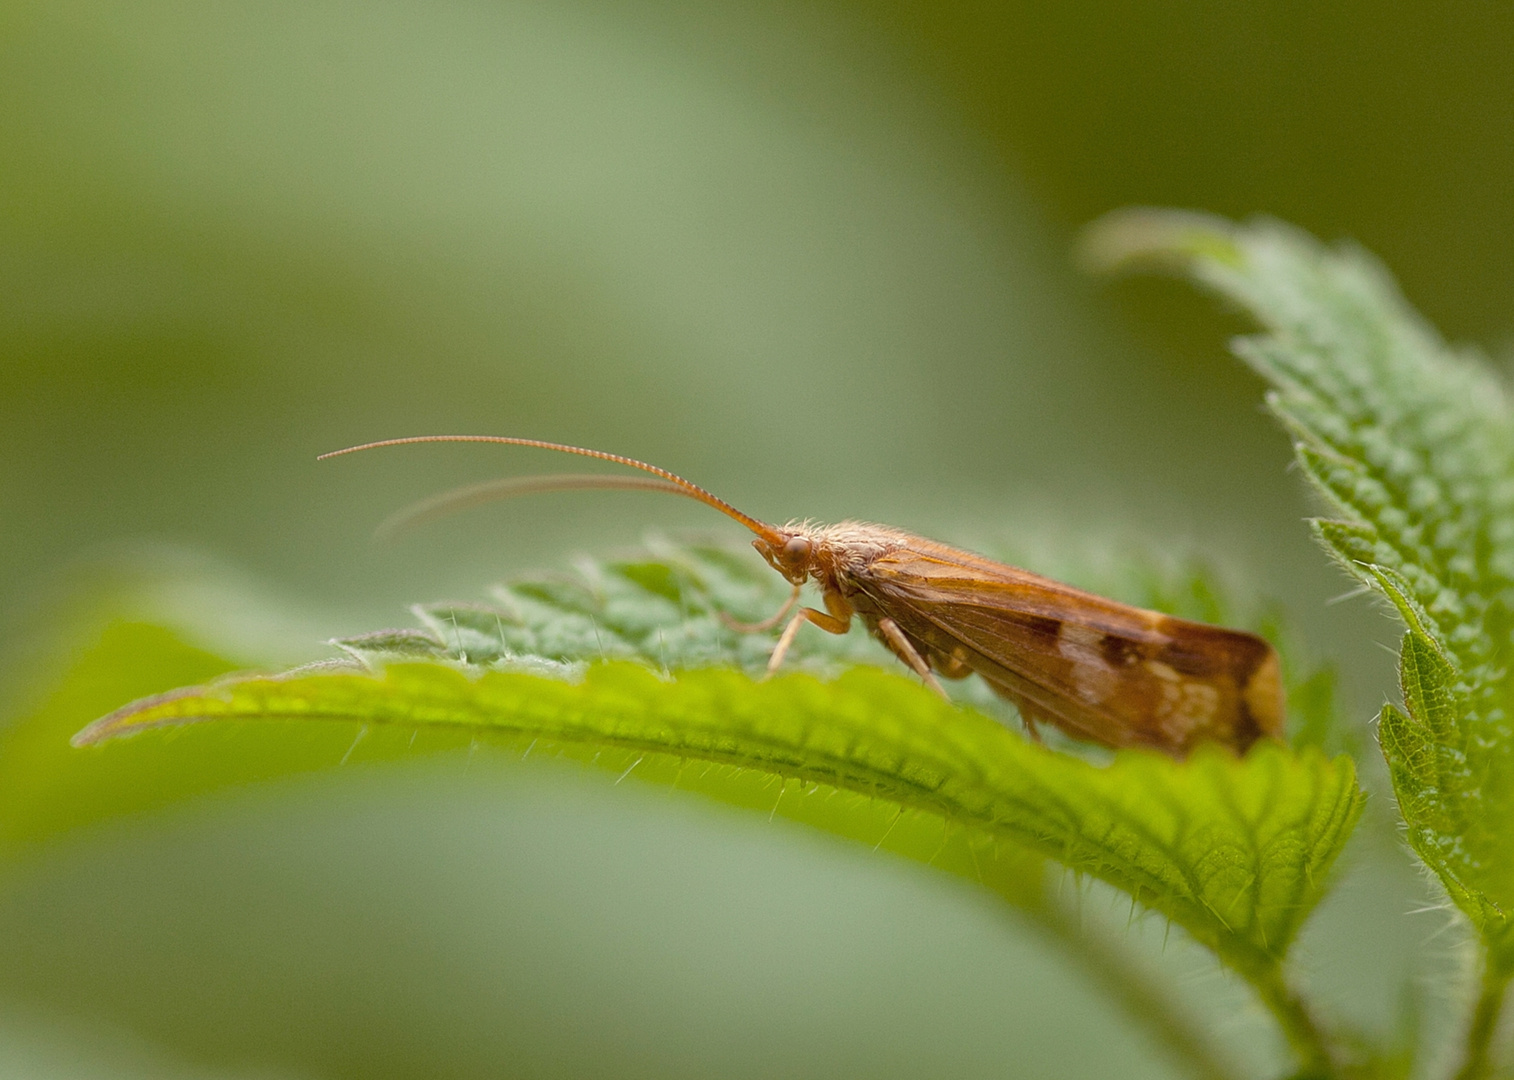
(1148,238)
(127,719)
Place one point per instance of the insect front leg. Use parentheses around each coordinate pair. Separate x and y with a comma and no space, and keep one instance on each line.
(766,624)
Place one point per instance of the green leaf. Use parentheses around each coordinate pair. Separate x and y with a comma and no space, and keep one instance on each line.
(1411,440)
(1411,443)
(1237,851)
(662,606)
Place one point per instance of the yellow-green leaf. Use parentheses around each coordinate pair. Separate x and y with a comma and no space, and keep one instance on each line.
(1237,851)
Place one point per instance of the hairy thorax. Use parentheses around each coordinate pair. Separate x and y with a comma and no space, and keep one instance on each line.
(844,551)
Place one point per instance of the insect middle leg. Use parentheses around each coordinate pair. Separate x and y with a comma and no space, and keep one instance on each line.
(831,624)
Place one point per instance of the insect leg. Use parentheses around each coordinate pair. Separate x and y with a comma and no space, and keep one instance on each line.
(906,652)
(829,623)
(766,624)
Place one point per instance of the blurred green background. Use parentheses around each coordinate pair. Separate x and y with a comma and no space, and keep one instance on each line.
(817,257)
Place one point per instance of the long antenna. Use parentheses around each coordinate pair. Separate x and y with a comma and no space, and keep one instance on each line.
(693,491)
(465,498)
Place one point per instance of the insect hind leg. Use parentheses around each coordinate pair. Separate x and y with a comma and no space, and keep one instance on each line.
(906,651)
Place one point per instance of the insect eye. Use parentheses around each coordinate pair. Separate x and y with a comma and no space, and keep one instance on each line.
(796,549)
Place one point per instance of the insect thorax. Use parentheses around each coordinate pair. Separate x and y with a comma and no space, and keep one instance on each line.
(845,550)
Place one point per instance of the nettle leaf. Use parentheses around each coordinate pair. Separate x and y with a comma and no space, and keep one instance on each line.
(1237,851)
(663,606)
(1412,444)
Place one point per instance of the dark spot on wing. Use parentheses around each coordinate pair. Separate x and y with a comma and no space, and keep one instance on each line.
(1040,625)
(1119,651)
(1204,652)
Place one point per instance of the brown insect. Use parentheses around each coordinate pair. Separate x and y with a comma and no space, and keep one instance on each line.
(1097,669)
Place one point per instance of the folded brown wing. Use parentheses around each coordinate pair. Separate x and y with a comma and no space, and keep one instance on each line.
(1100,670)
